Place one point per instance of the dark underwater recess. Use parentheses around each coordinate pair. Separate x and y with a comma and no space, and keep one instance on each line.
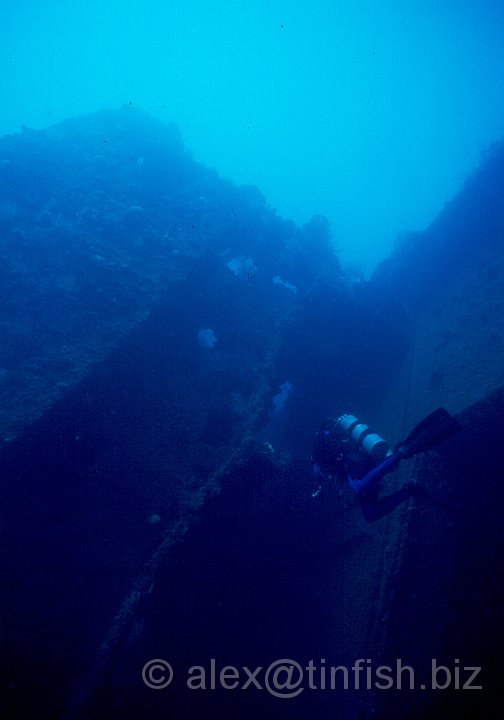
(249,584)
(137,437)
(242,588)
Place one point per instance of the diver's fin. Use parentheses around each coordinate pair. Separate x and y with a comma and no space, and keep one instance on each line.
(430,431)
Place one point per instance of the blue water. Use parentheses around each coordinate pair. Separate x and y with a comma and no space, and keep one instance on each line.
(320,104)
(185,294)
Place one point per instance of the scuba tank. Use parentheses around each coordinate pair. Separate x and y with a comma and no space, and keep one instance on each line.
(360,434)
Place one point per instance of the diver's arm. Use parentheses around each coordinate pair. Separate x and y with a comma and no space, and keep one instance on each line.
(390,463)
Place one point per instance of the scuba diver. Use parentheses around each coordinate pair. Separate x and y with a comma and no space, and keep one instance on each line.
(346,449)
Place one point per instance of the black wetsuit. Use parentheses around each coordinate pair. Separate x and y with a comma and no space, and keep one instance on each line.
(337,456)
